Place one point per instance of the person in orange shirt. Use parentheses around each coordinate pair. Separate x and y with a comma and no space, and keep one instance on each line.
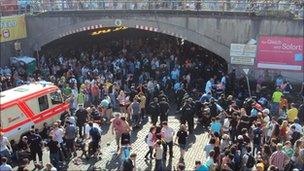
(283,102)
(95,93)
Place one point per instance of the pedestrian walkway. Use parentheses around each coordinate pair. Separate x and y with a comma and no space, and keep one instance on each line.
(110,161)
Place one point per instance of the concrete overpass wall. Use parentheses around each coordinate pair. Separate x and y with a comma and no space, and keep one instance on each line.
(214,31)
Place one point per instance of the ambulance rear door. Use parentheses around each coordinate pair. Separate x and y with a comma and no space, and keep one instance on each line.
(14,122)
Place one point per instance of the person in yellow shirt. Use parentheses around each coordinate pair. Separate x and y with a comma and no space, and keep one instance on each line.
(292,113)
(142,101)
(276,98)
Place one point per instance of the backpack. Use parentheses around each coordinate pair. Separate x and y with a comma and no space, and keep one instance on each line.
(250,161)
(95,133)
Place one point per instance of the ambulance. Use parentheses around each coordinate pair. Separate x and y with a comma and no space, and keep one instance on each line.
(30,106)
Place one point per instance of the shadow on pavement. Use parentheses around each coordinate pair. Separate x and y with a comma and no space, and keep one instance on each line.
(191,140)
(92,161)
(149,165)
(114,163)
(198,130)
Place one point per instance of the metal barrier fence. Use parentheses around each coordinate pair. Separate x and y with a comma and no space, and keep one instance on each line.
(37,6)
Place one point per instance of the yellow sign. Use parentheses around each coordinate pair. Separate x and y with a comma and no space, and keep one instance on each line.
(103,31)
(12,28)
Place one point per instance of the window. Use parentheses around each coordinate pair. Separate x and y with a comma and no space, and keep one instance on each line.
(21,89)
(43,103)
(56,97)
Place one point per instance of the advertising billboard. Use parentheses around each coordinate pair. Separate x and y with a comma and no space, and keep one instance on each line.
(12,28)
(280,52)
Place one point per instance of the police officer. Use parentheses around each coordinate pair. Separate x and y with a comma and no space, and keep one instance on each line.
(35,143)
(154,110)
(163,110)
(187,114)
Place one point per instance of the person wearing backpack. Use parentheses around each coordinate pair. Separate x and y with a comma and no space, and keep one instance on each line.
(248,160)
(95,138)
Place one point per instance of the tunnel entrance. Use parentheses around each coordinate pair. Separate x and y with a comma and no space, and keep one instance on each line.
(133,44)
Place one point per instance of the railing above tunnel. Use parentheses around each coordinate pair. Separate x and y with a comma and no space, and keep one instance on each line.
(283,8)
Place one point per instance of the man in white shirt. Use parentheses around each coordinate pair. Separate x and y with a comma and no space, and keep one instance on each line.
(298,127)
(57,133)
(87,129)
(5,146)
(158,155)
(71,119)
(4,166)
(266,118)
(167,134)
(269,128)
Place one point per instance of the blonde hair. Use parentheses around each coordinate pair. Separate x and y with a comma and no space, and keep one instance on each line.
(284,124)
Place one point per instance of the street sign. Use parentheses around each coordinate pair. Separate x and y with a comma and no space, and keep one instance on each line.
(241,60)
(242,54)
(246,70)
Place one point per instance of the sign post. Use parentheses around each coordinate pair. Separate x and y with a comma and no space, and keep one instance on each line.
(246,71)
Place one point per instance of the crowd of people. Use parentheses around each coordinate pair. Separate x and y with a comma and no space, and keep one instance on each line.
(124,82)
(294,6)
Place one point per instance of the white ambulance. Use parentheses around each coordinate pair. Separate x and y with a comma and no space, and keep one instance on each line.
(30,105)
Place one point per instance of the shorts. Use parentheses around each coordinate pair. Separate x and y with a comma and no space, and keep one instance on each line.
(183,146)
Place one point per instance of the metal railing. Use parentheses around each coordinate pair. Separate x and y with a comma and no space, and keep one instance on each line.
(37,6)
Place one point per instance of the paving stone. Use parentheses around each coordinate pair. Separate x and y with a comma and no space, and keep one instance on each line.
(110,161)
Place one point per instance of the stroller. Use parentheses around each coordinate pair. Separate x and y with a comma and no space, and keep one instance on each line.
(125,146)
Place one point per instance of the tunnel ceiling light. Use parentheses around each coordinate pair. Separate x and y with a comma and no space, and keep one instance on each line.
(108,30)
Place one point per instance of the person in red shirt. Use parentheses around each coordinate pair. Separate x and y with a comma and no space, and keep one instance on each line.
(94,93)
(117,128)
(283,130)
